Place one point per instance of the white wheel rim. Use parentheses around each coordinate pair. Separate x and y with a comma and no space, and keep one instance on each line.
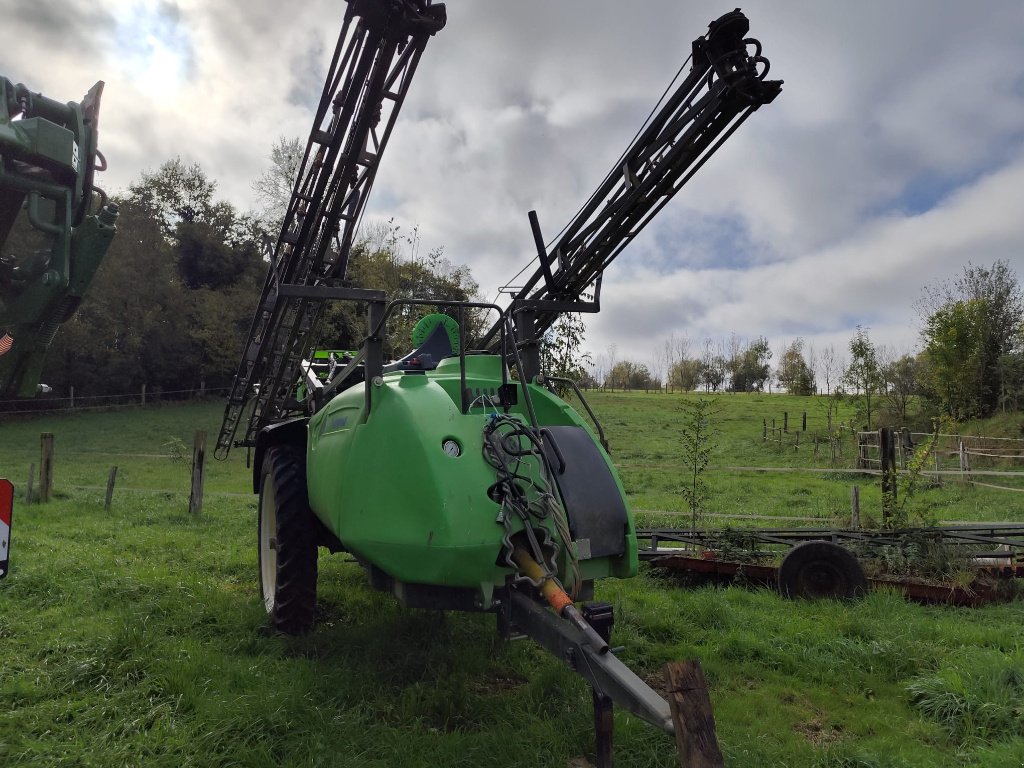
(268,543)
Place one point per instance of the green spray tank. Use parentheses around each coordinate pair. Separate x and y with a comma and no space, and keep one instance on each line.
(456,476)
(55,224)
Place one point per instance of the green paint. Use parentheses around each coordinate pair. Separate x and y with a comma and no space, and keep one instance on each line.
(53,234)
(386,488)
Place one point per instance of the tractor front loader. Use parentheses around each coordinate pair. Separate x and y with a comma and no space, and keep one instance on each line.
(55,224)
(456,475)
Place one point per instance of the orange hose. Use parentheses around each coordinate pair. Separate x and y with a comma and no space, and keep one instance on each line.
(556,596)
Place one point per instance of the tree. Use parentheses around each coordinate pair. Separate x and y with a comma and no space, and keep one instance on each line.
(628,374)
(831,367)
(273,187)
(712,373)
(176,193)
(955,353)
(686,374)
(750,369)
(612,358)
(794,372)
(901,382)
(983,309)
(561,351)
(698,445)
(673,353)
(1011,380)
(133,327)
(862,375)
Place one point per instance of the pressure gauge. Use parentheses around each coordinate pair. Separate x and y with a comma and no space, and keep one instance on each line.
(451,448)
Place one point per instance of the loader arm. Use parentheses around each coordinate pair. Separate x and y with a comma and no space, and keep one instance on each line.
(55,224)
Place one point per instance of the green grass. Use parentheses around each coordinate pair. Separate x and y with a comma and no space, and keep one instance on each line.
(136,636)
(644,434)
(152,448)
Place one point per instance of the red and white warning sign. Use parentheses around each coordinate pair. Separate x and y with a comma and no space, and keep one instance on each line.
(6,510)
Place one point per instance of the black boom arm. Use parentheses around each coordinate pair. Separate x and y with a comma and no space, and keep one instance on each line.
(726,82)
(376,56)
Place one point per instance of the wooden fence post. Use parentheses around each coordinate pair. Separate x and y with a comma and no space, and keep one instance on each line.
(45,466)
(803,428)
(855,507)
(694,721)
(195,500)
(764,429)
(906,445)
(28,485)
(887,454)
(110,487)
(71,396)
(143,393)
(785,421)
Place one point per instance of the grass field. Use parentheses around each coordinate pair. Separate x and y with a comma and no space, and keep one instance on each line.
(136,636)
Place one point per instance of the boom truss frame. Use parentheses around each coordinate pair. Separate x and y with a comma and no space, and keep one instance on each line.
(374,61)
(725,84)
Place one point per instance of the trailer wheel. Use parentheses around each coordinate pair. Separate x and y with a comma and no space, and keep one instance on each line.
(821,570)
(286,533)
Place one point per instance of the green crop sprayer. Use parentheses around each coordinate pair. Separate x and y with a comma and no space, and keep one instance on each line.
(455,475)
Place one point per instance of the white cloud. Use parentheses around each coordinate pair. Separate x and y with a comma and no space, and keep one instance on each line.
(892,157)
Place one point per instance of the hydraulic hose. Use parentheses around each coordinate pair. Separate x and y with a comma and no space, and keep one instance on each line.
(558,599)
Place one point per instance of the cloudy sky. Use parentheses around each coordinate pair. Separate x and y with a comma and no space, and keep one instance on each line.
(893,157)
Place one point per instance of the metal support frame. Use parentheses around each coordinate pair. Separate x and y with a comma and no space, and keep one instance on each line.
(981,540)
(604,672)
(528,343)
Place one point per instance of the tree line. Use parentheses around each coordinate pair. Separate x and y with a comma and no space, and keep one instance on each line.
(171,306)
(970,363)
(172,303)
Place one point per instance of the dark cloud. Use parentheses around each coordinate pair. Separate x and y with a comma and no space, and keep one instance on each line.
(74,28)
(308,71)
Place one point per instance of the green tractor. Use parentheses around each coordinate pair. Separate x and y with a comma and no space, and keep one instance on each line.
(55,224)
(456,475)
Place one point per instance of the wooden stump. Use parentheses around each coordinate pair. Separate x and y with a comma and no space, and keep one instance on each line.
(195,501)
(110,488)
(46,466)
(692,716)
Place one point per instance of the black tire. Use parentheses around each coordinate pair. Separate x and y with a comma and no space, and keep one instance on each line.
(287,542)
(818,570)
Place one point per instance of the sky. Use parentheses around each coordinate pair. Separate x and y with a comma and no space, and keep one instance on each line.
(893,157)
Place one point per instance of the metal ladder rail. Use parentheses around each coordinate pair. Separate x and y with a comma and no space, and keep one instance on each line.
(344,202)
(332,186)
(285,259)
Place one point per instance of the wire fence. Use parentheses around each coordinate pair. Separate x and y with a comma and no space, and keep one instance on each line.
(963,456)
(47,403)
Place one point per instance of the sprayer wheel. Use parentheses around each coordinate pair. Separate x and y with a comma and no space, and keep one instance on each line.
(821,570)
(287,542)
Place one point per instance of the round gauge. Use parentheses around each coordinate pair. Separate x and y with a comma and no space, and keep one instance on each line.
(451,448)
